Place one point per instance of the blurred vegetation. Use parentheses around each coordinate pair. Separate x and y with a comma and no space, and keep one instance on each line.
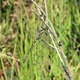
(18,30)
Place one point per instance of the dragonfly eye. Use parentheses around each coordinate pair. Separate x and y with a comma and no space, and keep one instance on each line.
(60,43)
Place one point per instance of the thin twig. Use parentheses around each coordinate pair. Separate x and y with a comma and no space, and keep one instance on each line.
(52,31)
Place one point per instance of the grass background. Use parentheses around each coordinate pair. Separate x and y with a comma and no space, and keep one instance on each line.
(18,30)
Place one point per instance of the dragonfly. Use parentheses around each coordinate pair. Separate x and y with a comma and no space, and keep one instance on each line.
(38,37)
